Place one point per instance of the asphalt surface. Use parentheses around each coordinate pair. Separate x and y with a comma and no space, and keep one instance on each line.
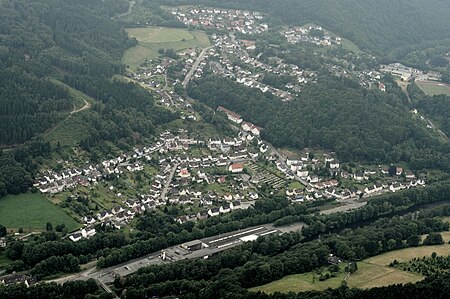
(195,66)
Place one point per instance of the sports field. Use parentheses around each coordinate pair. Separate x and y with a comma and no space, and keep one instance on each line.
(153,38)
(372,272)
(32,212)
(434,88)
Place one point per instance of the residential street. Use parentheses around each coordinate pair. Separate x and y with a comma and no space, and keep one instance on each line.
(195,66)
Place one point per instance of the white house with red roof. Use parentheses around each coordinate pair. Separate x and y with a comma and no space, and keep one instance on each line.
(249,127)
(234,117)
(236,168)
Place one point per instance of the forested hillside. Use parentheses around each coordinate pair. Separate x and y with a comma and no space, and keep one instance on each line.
(438,108)
(78,43)
(28,105)
(356,123)
(381,26)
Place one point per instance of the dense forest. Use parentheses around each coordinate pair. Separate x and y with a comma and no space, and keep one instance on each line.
(335,114)
(385,27)
(74,42)
(77,43)
(438,109)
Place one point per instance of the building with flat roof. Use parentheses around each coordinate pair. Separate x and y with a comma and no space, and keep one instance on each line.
(193,245)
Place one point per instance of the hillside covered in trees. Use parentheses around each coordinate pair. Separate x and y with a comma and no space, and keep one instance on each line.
(394,27)
(361,124)
(77,43)
(74,42)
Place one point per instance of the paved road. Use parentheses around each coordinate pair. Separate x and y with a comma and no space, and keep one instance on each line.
(195,66)
(430,123)
(349,204)
(167,184)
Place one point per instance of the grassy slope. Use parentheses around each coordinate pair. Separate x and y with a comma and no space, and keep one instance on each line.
(32,212)
(407,254)
(367,276)
(73,129)
(153,38)
(372,272)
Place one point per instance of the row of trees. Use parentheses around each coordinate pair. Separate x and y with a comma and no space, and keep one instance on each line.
(156,232)
(425,265)
(249,265)
(73,289)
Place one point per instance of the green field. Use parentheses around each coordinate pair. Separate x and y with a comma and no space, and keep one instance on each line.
(407,254)
(372,272)
(153,38)
(32,212)
(367,276)
(434,88)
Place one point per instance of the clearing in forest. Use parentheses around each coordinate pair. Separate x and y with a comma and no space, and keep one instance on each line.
(151,39)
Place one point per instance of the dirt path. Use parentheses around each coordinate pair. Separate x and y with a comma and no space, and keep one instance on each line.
(132,3)
(87,105)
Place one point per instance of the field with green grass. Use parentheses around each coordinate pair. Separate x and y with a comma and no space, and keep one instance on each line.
(153,38)
(367,276)
(434,88)
(371,275)
(372,272)
(32,212)
(407,254)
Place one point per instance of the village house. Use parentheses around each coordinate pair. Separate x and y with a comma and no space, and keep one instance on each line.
(236,168)
(3,242)
(214,212)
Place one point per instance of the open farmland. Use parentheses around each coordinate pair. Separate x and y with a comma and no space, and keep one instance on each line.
(372,272)
(407,254)
(32,212)
(153,38)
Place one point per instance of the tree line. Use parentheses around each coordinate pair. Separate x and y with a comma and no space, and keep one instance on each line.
(231,273)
